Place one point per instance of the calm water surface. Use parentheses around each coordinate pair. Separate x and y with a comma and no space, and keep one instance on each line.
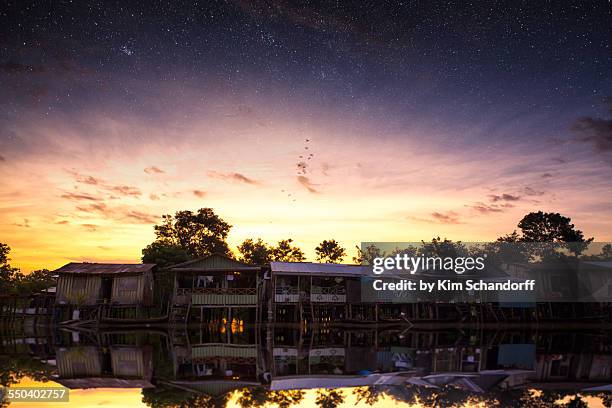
(236,366)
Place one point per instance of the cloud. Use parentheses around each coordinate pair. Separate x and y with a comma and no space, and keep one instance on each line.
(62,222)
(547,175)
(90,227)
(483,208)
(84,179)
(305,181)
(89,180)
(153,197)
(153,170)
(532,192)
(140,217)
(504,197)
(125,190)
(325,168)
(437,217)
(80,196)
(234,177)
(2,158)
(25,224)
(449,217)
(595,131)
(95,208)
(119,213)
(199,193)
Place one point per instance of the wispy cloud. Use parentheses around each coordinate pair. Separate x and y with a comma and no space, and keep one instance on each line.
(305,181)
(80,197)
(125,190)
(595,131)
(199,193)
(140,217)
(90,227)
(24,224)
(234,177)
(438,217)
(153,170)
(503,197)
(449,217)
(483,208)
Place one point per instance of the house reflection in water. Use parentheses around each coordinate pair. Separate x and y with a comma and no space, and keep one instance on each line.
(95,367)
(211,363)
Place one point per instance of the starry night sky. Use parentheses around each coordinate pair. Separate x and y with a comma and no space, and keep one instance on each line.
(455,115)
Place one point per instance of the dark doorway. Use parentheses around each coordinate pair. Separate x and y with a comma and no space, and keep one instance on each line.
(107,289)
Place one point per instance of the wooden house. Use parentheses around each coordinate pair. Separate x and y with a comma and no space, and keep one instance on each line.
(216,282)
(88,284)
(114,367)
(307,290)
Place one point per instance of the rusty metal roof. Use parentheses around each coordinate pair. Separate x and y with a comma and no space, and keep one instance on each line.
(103,382)
(86,268)
(319,269)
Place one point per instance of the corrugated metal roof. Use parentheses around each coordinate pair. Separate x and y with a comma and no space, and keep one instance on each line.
(312,268)
(103,382)
(87,268)
(214,262)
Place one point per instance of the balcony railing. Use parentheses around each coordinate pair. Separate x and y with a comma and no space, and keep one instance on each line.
(287,294)
(218,296)
(329,290)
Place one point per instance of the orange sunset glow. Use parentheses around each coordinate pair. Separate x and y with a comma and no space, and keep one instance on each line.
(91,188)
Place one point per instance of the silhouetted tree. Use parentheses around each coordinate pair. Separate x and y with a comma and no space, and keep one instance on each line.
(13,281)
(32,282)
(284,251)
(7,272)
(330,252)
(366,257)
(329,398)
(255,252)
(443,248)
(253,397)
(369,395)
(197,234)
(541,227)
(164,254)
(576,402)
(286,398)
(167,397)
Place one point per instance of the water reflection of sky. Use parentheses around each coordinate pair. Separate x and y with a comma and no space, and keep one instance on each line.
(342,397)
(316,367)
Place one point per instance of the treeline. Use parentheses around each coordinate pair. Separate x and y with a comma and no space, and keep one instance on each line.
(189,235)
(15,282)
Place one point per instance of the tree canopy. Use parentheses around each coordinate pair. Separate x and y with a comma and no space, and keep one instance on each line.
(188,235)
(13,281)
(330,251)
(547,227)
(257,252)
